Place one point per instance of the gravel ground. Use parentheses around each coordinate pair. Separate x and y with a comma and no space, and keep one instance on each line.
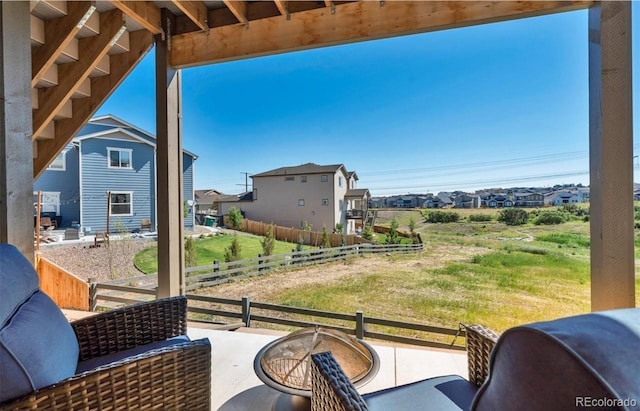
(102,263)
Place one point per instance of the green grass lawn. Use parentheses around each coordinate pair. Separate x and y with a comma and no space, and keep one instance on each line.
(212,248)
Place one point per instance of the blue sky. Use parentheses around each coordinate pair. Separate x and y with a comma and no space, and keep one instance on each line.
(496,105)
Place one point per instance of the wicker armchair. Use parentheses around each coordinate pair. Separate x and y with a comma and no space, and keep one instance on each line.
(577,362)
(136,357)
(332,391)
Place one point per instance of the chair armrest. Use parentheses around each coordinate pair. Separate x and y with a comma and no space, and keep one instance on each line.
(480,342)
(175,377)
(131,326)
(331,389)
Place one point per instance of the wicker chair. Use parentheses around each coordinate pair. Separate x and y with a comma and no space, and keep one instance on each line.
(578,362)
(136,357)
(332,391)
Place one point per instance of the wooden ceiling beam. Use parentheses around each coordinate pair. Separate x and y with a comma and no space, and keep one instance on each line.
(351,22)
(144,13)
(283,6)
(196,11)
(58,35)
(71,75)
(140,43)
(238,8)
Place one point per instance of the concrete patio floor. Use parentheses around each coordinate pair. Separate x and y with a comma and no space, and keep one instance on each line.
(235,386)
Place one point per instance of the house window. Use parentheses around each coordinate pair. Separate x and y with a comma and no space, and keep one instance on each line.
(289,179)
(339,181)
(324,178)
(121,203)
(59,163)
(303,179)
(325,201)
(119,157)
(301,202)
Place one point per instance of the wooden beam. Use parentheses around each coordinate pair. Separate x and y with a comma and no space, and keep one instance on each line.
(611,156)
(358,21)
(58,34)
(238,8)
(140,43)
(71,75)
(283,7)
(196,11)
(144,13)
(328,3)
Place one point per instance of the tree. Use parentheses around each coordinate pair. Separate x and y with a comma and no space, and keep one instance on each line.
(326,242)
(235,218)
(190,252)
(339,228)
(268,242)
(392,235)
(513,216)
(367,233)
(232,253)
(412,230)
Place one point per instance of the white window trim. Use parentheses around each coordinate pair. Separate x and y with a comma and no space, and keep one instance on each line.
(324,178)
(130,151)
(64,162)
(325,201)
(301,202)
(130,204)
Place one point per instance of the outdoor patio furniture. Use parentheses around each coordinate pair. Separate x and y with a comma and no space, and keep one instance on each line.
(129,358)
(145,224)
(47,222)
(577,362)
(71,234)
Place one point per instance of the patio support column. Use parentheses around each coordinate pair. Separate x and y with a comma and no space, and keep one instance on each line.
(169,166)
(16,147)
(611,156)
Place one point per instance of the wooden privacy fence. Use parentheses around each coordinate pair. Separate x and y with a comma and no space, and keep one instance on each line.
(292,235)
(64,288)
(222,272)
(218,310)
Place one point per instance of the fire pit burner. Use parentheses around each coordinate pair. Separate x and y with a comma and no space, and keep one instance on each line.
(285,364)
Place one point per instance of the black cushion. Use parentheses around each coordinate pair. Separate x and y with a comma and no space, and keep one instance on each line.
(450,392)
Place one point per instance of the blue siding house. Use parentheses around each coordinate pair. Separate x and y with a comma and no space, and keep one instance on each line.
(109,168)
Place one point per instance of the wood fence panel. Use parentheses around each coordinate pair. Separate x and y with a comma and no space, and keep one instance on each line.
(64,288)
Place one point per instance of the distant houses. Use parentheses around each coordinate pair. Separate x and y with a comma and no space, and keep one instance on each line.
(516,197)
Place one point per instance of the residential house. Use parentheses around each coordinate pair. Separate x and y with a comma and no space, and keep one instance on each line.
(108,171)
(561,197)
(497,201)
(319,195)
(377,202)
(528,199)
(206,201)
(467,201)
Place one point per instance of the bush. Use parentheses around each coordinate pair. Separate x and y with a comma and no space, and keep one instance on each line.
(367,233)
(480,217)
(325,242)
(551,217)
(268,242)
(442,217)
(392,235)
(513,216)
(232,253)
(235,218)
(190,252)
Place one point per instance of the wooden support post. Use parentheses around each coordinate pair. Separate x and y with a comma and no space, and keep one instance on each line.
(169,166)
(611,152)
(360,327)
(246,311)
(93,293)
(16,128)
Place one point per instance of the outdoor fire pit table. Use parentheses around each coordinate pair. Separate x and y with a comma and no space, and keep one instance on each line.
(285,364)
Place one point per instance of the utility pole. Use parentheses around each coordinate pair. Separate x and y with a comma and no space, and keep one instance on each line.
(246,181)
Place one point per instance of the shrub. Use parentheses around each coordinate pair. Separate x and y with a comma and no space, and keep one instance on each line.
(513,216)
(232,253)
(235,218)
(268,242)
(392,235)
(367,233)
(480,217)
(551,217)
(442,216)
(325,242)
(190,252)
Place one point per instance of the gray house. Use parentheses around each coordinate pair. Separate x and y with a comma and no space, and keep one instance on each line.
(109,168)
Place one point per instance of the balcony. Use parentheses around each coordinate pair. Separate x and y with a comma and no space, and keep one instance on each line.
(356,214)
